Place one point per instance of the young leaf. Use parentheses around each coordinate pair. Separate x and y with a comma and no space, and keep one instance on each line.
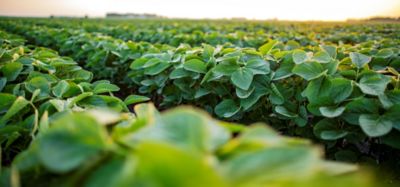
(299,56)
(105,87)
(242,78)
(60,88)
(359,59)
(373,83)
(327,129)
(12,70)
(195,65)
(133,99)
(331,112)
(227,108)
(309,70)
(266,48)
(375,125)
(17,106)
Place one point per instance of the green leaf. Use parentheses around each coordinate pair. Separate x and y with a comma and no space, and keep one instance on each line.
(373,83)
(328,129)
(244,93)
(331,50)
(72,141)
(12,70)
(138,63)
(6,100)
(179,73)
(227,108)
(39,83)
(60,88)
(266,48)
(201,92)
(248,102)
(258,66)
(375,125)
(156,69)
(322,57)
(195,65)
(3,82)
(271,164)
(176,168)
(384,53)
(133,99)
(19,104)
(242,78)
(285,112)
(299,56)
(151,62)
(309,70)
(331,112)
(105,87)
(359,59)
(224,69)
(340,89)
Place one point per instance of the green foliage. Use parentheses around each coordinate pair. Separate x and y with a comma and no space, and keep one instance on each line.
(195,150)
(344,93)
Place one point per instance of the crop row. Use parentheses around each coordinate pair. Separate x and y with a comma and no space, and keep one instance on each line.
(239,34)
(67,131)
(345,95)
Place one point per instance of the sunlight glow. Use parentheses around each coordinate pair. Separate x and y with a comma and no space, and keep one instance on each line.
(252,9)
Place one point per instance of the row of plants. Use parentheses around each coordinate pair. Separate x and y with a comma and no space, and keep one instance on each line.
(347,96)
(67,131)
(237,33)
(38,83)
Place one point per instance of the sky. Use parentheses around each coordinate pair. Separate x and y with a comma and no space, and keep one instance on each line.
(328,10)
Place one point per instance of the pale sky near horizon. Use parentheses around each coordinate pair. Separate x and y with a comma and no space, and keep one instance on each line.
(329,10)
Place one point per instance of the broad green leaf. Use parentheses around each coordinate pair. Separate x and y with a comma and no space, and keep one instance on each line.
(384,53)
(175,168)
(285,112)
(340,89)
(270,164)
(266,48)
(195,65)
(309,70)
(299,56)
(138,63)
(156,69)
(105,87)
(373,83)
(331,50)
(227,108)
(151,62)
(322,57)
(258,66)
(244,93)
(60,88)
(133,99)
(39,83)
(359,59)
(250,101)
(328,129)
(375,125)
(12,70)
(72,141)
(19,104)
(201,92)
(3,82)
(179,73)
(6,100)
(331,112)
(225,69)
(242,78)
